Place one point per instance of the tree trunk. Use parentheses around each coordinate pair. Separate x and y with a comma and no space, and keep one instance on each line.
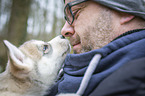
(17,28)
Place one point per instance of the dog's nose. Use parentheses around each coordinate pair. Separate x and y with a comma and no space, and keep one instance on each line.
(62,37)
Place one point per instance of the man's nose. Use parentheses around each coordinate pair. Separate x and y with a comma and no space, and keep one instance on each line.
(67,30)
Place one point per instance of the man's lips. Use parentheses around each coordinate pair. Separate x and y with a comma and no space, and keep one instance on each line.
(76,44)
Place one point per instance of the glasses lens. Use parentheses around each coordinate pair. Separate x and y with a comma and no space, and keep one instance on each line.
(68,14)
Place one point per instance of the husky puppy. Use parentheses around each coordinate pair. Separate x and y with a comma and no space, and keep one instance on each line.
(33,67)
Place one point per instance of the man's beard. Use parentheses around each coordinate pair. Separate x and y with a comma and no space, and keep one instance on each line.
(97,35)
(86,49)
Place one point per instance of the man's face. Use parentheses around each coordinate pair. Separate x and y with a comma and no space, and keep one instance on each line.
(91,29)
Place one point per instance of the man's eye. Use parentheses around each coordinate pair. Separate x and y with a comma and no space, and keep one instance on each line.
(76,13)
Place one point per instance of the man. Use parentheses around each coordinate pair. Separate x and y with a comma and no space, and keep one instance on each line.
(116,30)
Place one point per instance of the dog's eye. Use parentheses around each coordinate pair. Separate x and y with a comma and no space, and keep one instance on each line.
(46,48)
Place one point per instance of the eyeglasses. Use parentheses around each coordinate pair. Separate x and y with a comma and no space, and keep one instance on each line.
(69,16)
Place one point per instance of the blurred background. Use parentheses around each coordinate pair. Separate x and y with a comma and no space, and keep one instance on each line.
(22,20)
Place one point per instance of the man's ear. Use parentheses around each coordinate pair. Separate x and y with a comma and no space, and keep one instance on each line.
(125,18)
(16,60)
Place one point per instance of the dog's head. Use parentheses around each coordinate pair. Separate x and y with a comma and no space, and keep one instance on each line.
(37,60)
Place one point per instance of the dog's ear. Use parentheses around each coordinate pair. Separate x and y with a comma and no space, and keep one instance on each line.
(16,59)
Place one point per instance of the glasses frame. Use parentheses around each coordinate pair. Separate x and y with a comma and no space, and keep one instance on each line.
(69,5)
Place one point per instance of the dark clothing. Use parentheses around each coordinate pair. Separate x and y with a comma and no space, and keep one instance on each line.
(129,80)
(114,55)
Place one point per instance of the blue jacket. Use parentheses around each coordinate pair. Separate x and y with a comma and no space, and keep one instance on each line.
(127,47)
